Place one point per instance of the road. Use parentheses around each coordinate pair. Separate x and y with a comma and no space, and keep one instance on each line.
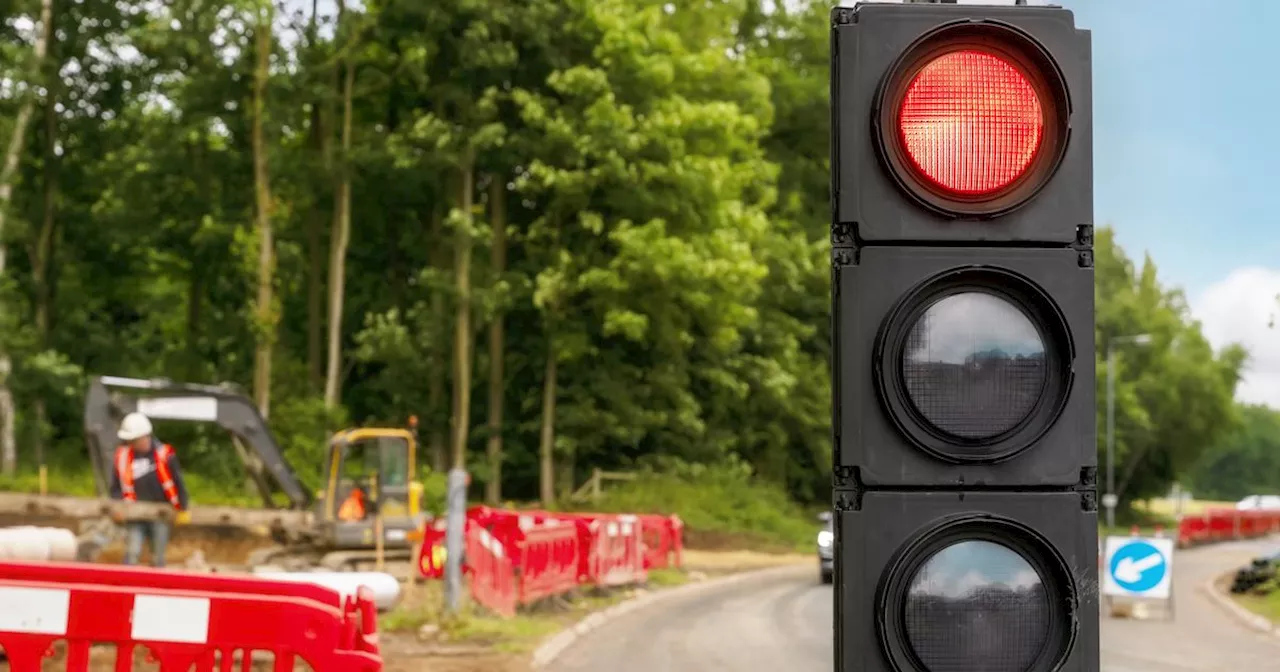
(782,621)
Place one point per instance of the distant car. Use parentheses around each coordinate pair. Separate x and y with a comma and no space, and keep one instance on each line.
(1258,502)
(826,549)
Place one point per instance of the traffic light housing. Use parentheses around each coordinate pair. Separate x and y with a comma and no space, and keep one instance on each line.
(965,475)
(1030,59)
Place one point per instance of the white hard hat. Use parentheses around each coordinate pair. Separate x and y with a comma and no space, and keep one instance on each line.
(134,426)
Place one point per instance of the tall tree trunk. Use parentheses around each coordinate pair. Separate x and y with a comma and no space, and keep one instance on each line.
(547,442)
(435,385)
(315,236)
(339,241)
(462,340)
(195,309)
(265,309)
(42,253)
(8,173)
(498,220)
(315,301)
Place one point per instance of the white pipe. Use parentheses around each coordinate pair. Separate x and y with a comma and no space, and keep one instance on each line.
(385,587)
(38,544)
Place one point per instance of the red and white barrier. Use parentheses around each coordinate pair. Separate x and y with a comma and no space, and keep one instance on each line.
(187,621)
(552,553)
(1216,525)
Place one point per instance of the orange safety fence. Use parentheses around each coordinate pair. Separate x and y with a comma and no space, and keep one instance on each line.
(184,620)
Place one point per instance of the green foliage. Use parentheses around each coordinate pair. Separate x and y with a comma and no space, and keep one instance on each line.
(1173,396)
(1244,462)
(666,207)
(718,502)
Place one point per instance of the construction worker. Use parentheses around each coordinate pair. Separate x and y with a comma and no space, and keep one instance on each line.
(146,471)
(352,509)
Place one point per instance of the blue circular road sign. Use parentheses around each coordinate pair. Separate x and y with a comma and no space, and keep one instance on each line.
(1138,566)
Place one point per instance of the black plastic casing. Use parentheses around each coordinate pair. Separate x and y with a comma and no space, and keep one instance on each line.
(865,44)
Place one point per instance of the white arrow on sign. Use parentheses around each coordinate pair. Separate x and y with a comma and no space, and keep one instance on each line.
(1129,570)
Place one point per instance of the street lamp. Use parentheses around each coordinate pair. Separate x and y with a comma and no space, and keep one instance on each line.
(1109,500)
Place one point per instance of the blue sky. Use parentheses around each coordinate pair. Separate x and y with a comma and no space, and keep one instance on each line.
(1185,149)
(1185,156)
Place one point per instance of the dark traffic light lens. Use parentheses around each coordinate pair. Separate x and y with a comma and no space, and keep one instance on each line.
(977,593)
(974,365)
(977,606)
(971,122)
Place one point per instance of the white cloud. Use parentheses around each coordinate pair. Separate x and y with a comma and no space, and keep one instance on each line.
(1238,309)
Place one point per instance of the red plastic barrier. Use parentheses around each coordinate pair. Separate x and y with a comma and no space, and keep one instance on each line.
(552,553)
(187,621)
(1217,525)
(550,561)
(492,575)
(614,555)
(663,538)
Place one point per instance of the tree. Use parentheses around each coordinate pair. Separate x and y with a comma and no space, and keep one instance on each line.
(1244,462)
(8,174)
(265,310)
(1174,397)
(341,236)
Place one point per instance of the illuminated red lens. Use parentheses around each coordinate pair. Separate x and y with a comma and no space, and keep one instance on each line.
(971,122)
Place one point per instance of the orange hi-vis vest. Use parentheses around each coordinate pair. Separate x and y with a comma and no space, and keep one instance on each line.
(352,510)
(124,467)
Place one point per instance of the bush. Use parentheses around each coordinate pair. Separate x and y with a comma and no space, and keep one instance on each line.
(721,505)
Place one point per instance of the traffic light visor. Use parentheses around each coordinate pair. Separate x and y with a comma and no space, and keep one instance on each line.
(972,119)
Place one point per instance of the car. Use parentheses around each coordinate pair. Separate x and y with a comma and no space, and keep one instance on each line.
(826,549)
(1259,503)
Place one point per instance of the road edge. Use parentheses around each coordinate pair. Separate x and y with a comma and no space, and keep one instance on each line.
(1246,617)
(553,646)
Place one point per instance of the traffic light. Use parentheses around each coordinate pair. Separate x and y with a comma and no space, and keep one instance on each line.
(965,475)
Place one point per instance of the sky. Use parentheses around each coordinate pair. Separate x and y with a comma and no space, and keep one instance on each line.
(1185,158)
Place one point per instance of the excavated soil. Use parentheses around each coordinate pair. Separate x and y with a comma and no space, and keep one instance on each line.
(219,544)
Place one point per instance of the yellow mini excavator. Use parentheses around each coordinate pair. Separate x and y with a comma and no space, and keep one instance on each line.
(369,503)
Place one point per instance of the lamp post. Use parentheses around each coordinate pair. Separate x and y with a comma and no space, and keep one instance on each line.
(1109,500)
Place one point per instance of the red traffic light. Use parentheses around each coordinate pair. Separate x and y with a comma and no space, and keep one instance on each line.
(973,119)
(971,122)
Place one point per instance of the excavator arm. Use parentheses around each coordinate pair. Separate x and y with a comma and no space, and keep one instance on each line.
(111,397)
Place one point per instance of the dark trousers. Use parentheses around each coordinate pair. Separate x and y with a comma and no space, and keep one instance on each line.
(137,532)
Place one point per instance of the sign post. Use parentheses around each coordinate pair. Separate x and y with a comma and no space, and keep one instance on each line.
(1140,569)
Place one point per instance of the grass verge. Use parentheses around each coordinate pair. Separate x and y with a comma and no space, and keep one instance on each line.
(1267,606)
(723,507)
(421,614)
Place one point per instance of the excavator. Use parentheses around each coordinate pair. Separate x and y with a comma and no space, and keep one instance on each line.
(366,511)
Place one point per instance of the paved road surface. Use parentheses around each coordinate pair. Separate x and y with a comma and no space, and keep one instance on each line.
(1203,638)
(783,622)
